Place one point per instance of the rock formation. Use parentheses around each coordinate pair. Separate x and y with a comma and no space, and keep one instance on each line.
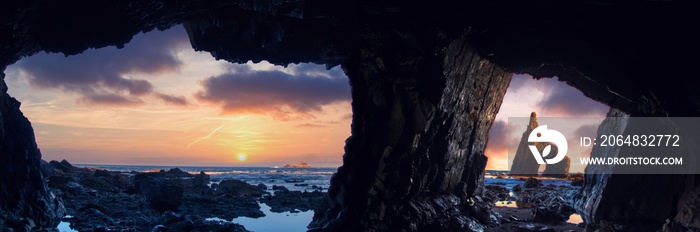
(524,163)
(25,201)
(301,164)
(426,80)
(558,170)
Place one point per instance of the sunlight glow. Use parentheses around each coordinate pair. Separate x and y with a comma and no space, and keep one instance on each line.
(242,157)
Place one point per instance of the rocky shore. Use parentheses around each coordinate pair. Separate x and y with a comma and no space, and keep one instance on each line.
(173,200)
(533,205)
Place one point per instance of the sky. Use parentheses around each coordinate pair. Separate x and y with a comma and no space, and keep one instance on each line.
(159,102)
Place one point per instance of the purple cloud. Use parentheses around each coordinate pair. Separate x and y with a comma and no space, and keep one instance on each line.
(102,76)
(244,90)
(559,98)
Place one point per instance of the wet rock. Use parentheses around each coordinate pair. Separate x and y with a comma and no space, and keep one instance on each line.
(416,140)
(588,56)
(24,196)
(532,228)
(280,188)
(532,183)
(239,188)
(161,194)
(517,188)
(524,163)
(577,182)
(64,165)
(199,186)
(552,213)
(499,191)
(177,172)
(290,201)
(673,226)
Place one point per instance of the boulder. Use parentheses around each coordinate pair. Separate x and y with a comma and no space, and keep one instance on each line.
(553,213)
(161,194)
(532,183)
(239,188)
(279,188)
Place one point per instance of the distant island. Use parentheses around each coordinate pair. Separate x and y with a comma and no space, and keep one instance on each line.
(301,164)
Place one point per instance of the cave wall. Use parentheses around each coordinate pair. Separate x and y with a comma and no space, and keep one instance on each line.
(420,124)
(420,118)
(25,201)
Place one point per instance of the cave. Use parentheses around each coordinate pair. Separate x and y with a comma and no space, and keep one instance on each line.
(427,81)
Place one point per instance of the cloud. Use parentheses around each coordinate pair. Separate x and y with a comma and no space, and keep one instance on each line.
(572,102)
(310,125)
(208,136)
(305,88)
(497,146)
(108,99)
(557,98)
(103,76)
(172,99)
(498,136)
(586,130)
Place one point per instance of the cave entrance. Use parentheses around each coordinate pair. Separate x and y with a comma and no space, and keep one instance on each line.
(552,100)
(158,104)
(555,104)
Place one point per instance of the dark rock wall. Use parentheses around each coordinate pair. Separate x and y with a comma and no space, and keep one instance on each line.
(594,185)
(420,124)
(629,199)
(25,201)
(421,106)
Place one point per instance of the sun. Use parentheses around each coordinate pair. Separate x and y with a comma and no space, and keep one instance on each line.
(242,157)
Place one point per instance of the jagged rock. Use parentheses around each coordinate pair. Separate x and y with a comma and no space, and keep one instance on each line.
(239,188)
(396,82)
(199,186)
(577,182)
(524,163)
(162,194)
(517,188)
(558,170)
(25,200)
(280,188)
(552,213)
(301,164)
(532,183)
(290,201)
(500,192)
(413,139)
(532,228)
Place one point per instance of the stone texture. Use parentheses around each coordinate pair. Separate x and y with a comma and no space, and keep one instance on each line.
(524,163)
(420,122)
(627,200)
(558,170)
(615,60)
(240,188)
(25,200)
(594,185)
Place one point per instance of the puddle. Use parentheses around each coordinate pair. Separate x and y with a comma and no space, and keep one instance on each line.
(274,221)
(509,204)
(64,226)
(575,219)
